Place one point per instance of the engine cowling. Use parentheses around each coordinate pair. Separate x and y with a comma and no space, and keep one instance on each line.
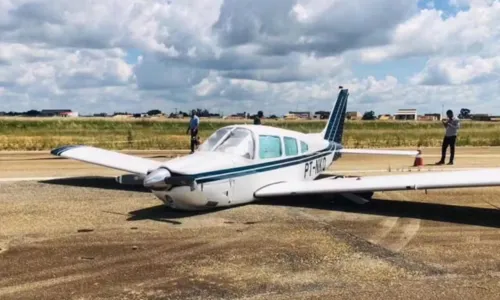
(155,180)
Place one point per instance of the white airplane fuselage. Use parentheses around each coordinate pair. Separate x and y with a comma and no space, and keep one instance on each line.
(239,164)
(219,179)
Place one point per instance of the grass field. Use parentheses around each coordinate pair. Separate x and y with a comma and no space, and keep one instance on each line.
(45,134)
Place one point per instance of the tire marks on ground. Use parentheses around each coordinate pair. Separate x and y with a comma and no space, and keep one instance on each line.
(395,233)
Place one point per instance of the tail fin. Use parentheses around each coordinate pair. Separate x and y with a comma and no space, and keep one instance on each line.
(334,129)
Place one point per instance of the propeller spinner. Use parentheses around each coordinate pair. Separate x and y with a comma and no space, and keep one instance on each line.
(156,179)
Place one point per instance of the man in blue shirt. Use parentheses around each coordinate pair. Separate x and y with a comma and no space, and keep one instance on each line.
(193,129)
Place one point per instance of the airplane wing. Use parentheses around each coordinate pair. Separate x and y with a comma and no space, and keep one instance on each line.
(378,152)
(106,158)
(419,181)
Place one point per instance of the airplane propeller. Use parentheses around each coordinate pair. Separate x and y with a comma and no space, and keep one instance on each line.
(156,179)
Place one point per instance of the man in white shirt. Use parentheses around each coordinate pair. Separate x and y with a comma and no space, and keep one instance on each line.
(452,125)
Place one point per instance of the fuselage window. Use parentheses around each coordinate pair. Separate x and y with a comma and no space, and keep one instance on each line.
(303,147)
(269,146)
(291,147)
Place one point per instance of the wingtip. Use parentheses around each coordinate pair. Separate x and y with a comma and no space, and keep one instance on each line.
(61,150)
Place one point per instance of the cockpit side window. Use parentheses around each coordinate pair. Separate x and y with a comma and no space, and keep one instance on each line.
(270,146)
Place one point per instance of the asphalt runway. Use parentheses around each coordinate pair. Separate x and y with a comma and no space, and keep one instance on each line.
(86,237)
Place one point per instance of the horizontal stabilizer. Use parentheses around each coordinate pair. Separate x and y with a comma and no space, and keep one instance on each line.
(414,181)
(107,158)
(378,152)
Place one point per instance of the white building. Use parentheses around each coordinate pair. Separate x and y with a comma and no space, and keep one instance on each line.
(71,114)
(406,114)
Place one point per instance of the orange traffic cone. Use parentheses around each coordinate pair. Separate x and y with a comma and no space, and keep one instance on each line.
(419,161)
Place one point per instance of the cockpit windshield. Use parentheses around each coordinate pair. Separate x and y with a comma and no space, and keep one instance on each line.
(215,138)
(231,140)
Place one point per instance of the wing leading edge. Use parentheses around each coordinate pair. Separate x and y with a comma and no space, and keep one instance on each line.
(420,181)
(109,159)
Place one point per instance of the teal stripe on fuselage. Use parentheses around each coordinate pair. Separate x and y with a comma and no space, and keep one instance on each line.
(258,170)
(330,148)
(269,166)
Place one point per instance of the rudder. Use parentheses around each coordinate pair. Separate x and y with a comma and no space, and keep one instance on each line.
(334,128)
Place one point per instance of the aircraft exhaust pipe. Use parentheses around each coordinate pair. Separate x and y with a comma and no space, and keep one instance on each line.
(156,179)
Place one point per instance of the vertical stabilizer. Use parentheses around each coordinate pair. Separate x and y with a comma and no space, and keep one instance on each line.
(334,128)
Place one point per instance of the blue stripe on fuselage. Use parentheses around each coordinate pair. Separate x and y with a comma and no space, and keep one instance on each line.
(268,166)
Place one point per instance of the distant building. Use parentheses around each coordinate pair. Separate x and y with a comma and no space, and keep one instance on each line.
(175,116)
(301,114)
(406,114)
(238,116)
(54,112)
(353,115)
(122,116)
(140,115)
(430,117)
(385,117)
(321,115)
(481,117)
(72,114)
(290,117)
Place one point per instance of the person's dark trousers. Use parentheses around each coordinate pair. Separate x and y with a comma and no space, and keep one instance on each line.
(448,141)
(194,140)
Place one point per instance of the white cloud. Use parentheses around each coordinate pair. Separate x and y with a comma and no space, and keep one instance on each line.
(428,33)
(459,71)
(236,55)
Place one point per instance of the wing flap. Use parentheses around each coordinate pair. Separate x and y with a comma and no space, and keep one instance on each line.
(378,152)
(427,180)
(107,158)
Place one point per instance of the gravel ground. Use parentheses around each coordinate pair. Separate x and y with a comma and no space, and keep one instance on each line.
(89,238)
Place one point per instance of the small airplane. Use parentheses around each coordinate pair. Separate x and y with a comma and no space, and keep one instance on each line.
(239,164)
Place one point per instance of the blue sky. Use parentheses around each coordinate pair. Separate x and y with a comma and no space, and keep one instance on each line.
(402,68)
(242,55)
(132,55)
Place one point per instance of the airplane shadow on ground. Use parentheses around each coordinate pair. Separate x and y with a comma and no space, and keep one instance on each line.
(476,216)
(466,215)
(159,213)
(31,159)
(165,214)
(98,182)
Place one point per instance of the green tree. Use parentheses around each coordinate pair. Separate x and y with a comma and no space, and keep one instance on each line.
(154,112)
(369,115)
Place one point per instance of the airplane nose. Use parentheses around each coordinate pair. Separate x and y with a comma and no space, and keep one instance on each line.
(156,179)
